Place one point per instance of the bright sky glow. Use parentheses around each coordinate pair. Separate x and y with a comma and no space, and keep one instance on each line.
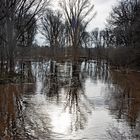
(103,8)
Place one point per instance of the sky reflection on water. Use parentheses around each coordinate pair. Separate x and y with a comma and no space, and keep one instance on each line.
(70,100)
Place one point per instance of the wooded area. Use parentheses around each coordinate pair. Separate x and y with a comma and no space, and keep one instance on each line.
(65,29)
(121,38)
(82,83)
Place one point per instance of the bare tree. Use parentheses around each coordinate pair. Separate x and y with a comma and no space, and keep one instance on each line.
(53,28)
(13,13)
(124,24)
(78,13)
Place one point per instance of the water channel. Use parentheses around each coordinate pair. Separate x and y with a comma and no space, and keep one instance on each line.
(70,100)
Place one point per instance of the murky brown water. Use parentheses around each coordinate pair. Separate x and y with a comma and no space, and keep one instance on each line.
(70,101)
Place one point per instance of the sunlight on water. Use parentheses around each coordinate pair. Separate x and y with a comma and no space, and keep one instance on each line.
(61,122)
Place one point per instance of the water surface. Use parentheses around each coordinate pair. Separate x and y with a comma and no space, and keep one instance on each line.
(81,100)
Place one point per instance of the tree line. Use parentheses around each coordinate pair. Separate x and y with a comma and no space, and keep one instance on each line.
(20,20)
(17,27)
(119,42)
(66,27)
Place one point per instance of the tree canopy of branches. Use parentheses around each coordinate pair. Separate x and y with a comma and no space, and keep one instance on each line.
(52,27)
(124,24)
(17,17)
(77,16)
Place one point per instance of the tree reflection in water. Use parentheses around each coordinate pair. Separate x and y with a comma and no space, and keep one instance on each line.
(125,103)
(52,100)
(52,82)
(68,76)
(12,123)
(74,102)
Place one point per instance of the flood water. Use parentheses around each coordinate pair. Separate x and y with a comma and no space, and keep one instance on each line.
(68,100)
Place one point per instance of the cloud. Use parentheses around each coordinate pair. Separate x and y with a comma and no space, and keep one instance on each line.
(103,8)
(40,39)
(100,2)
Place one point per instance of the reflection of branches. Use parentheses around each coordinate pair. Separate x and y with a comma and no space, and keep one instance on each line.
(52,89)
(74,101)
(97,70)
(101,71)
(124,97)
(11,118)
(115,134)
(24,68)
(37,124)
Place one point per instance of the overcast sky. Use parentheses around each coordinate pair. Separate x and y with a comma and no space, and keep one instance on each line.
(102,7)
